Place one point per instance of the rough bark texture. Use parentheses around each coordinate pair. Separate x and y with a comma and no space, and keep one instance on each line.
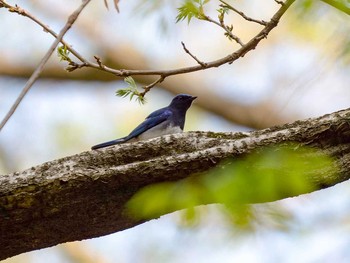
(83,196)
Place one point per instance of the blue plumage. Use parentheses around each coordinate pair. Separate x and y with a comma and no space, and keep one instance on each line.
(167,120)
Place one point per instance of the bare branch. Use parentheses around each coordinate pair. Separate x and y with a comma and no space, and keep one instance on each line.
(106,4)
(245,48)
(261,22)
(116,2)
(71,19)
(193,56)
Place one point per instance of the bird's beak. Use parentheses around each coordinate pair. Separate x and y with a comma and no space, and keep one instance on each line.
(194,97)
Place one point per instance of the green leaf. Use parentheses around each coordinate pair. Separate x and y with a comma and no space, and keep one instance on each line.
(190,9)
(222,12)
(131,91)
(131,82)
(63,53)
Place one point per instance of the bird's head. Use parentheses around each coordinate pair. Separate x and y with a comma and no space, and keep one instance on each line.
(182,101)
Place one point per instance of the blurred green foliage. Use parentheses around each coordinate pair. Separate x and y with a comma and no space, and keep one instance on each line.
(270,174)
(323,21)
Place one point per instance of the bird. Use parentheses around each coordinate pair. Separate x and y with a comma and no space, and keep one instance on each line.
(167,120)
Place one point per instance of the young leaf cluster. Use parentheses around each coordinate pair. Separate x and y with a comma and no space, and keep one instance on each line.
(190,9)
(63,53)
(229,34)
(222,12)
(131,91)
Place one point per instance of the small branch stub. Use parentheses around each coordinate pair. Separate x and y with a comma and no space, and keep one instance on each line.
(203,64)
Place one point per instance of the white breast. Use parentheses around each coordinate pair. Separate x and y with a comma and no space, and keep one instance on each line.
(159,131)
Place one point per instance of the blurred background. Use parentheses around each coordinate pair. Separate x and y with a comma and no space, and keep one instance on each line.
(301,70)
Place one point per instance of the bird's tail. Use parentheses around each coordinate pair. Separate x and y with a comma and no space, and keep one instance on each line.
(106,144)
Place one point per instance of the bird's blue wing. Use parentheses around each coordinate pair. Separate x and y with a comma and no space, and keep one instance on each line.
(151,121)
(157,113)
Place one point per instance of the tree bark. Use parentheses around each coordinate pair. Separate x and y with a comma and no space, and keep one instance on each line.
(84,195)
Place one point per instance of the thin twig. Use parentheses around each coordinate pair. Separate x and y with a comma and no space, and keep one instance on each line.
(261,22)
(149,86)
(99,62)
(226,28)
(116,2)
(279,2)
(106,4)
(39,69)
(193,56)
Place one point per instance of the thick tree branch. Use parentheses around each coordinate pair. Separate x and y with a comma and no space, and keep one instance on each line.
(83,196)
